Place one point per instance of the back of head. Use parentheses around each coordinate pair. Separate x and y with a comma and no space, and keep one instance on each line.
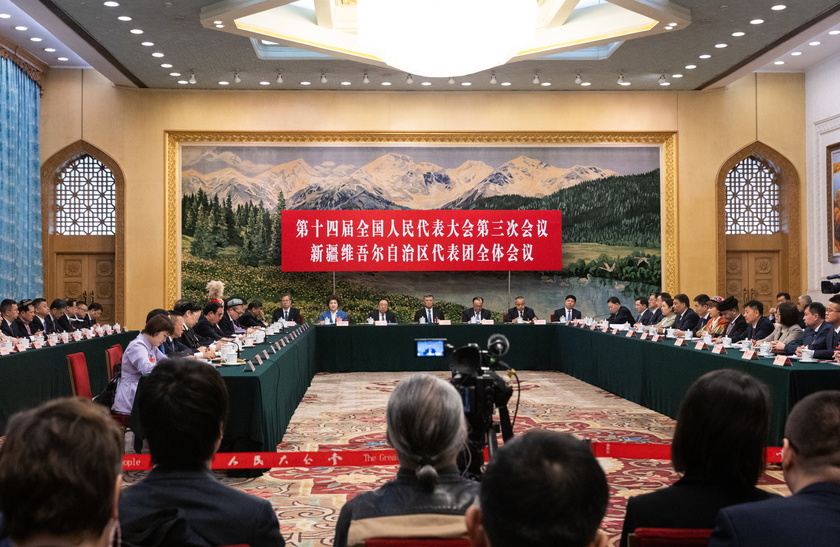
(195,393)
(788,314)
(185,306)
(722,429)
(813,431)
(543,488)
(426,425)
(58,470)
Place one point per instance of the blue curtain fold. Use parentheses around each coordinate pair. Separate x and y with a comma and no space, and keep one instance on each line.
(21,265)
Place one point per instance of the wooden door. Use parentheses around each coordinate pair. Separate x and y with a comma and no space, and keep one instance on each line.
(753,275)
(88,278)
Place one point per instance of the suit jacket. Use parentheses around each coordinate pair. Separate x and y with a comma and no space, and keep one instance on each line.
(207,332)
(832,340)
(469,313)
(82,323)
(37,324)
(656,317)
(561,312)
(739,329)
(174,507)
(228,326)
(701,322)
(809,517)
(390,316)
(762,329)
(527,314)
(620,317)
(51,325)
(190,339)
(64,324)
(644,317)
(687,321)
(173,347)
(11,329)
(294,315)
(437,314)
(248,320)
(21,326)
(688,503)
(811,338)
(791,335)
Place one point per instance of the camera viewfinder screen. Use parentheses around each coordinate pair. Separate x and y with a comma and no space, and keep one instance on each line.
(430,347)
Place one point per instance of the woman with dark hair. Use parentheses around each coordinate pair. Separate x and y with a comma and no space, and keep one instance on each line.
(719,448)
(140,357)
(428,498)
(668,315)
(332,314)
(786,330)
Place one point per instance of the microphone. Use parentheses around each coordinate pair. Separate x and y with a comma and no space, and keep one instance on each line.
(833,276)
(498,344)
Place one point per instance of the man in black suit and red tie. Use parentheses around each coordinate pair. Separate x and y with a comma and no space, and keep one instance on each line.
(686,317)
(428,313)
(568,310)
(25,321)
(758,326)
(520,313)
(9,313)
(65,320)
(286,312)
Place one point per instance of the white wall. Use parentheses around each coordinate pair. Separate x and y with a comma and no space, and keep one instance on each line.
(822,128)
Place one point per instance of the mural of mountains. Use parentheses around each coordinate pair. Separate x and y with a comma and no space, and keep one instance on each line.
(392,181)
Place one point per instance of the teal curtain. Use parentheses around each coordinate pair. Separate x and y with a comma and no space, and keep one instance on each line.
(21,268)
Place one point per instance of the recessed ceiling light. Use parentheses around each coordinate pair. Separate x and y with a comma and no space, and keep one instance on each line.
(49,49)
(346,83)
(779,63)
(218,22)
(834,32)
(265,83)
(451,80)
(690,67)
(174,73)
(386,83)
(157,54)
(586,84)
(705,56)
(4,16)
(426,83)
(136,31)
(166,65)
(720,46)
(778,7)
(676,75)
(306,83)
(814,44)
(664,83)
(111,4)
(545,84)
(63,59)
(796,53)
(224,83)
(35,39)
(669,27)
(466,84)
(738,34)
(220,26)
(124,18)
(756,21)
(505,84)
(147,44)
(19,27)
(183,82)
(672,24)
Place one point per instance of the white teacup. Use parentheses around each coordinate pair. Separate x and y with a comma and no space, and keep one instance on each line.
(707,338)
(670,332)
(230,358)
(53,337)
(8,345)
(807,354)
(24,342)
(764,348)
(689,335)
(726,341)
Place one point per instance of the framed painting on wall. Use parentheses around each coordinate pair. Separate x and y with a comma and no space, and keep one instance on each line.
(832,154)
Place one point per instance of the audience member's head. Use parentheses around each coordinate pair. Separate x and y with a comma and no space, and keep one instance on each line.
(728,308)
(42,308)
(159,324)
(26,311)
(58,307)
(681,303)
(190,311)
(753,311)
(803,302)
(9,309)
(666,305)
(543,488)
(95,310)
(196,394)
(255,307)
(783,297)
(60,469)
(812,444)
(213,312)
(701,304)
(426,425)
(570,301)
(722,429)
(235,307)
(788,315)
(156,311)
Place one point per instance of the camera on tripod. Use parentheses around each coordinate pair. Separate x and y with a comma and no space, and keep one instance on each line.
(482,391)
(827,287)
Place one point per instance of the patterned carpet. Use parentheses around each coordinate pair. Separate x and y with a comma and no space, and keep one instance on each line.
(347,412)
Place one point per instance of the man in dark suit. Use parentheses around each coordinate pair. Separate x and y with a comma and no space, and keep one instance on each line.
(568,310)
(382,313)
(428,313)
(477,313)
(816,330)
(286,312)
(180,501)
(172,346)
(57,309)
(520,313)
(253,316)
(737,328)
(229,323)
(826,349)
(619,314)
(686,317)
(9,313)
(758,326)
(207,329)
(42,311)
(189,338)
(643,313)
(701,308)
(26,316)
(65,320)
(82,319)
(811,468)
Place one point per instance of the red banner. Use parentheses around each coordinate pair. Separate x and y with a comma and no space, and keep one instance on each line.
(438,240)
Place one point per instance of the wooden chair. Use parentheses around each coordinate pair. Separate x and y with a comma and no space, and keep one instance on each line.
(551,320)
(79,377)
(666,537)
(417,542)
(113,357)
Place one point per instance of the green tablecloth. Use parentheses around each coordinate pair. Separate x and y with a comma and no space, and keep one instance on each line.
(38,375)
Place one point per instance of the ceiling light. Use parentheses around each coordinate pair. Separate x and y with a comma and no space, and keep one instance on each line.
(323,78)
(738,34)
(663,80)
(63,59)
(223,83)
(166,65)
(720,46)
(676,75)
(505,84)
(426,83)
(306,83)
(669,27)
(778,7)
(779,63)
(409,79)
(147,44)
(183,82)
(705,56)
(398,33)
(157,54)
(586,84)
(366,80)
(346,83)
(621,80)
(672,24)
(49,49)
(493,78)
(796,53)
(174,73)
(690,67)
(5,16)
(265,82)
(578,79)
(236,78)
(19,27)
(136,31)
(466,84)
(814,44)
(756,21)
(834,32)
(545,84)
(218,22)
(279,78)
(536,79)
(451,80)
(386,83)
(111,4)
(192,79)
(220,26)
(35,39)
(124,18)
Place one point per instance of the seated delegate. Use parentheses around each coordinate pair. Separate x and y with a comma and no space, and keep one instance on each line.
(140,357)
(332,314)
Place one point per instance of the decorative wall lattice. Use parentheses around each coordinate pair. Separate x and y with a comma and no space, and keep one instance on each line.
(85,199)
(752,198)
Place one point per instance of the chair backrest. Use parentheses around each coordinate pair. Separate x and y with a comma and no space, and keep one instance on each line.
(113,357)
(417,542)
(504,318)
(665,537)
(552,318)
(79,378)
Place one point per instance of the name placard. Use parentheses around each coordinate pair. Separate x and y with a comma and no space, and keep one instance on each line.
(782,361)
(701,345)
(658,338)
(750,355)
(719,349)
(258,358)
(630,334)
(616,331)
(645,335)
(539,321)
(680,342)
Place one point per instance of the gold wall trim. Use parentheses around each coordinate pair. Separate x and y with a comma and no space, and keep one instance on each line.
(28,63)
(173,141)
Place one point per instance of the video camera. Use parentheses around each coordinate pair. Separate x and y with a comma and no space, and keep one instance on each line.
(827,287)
(482,391)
